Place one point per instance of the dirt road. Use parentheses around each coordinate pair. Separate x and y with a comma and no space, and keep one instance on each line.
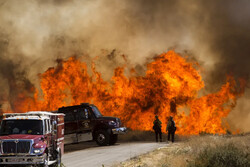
(90,155)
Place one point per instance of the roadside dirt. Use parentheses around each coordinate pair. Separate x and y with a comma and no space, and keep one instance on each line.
(182,153)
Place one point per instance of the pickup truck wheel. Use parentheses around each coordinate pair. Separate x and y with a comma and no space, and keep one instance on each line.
(113,139)
(102,138)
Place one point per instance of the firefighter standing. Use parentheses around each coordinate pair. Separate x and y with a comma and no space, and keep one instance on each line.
(171,128)
(157,128)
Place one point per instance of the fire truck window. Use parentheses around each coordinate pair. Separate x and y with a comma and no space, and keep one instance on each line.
(32,127)
(69,117)
(54,123)
(48,125)
(45,125)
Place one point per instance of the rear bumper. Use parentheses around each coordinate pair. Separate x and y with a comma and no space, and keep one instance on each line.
(22,160)
(121,130)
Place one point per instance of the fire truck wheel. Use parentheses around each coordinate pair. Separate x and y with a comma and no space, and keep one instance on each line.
(58,160)
(46,161)
(113,139)
(102,138)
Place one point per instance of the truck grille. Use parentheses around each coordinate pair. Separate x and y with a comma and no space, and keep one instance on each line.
(16,147)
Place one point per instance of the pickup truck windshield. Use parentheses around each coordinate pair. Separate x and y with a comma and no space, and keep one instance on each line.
(32,127)
(96,112)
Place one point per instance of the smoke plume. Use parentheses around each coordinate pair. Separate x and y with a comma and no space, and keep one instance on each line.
(36,33)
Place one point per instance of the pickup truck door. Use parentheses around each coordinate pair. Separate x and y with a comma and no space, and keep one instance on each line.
(71,126)
(84,125)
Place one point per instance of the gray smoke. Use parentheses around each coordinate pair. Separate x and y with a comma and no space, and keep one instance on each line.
(35,33)
(13,78)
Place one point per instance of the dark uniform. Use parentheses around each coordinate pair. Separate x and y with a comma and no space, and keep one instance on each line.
(171,128)
(157,128)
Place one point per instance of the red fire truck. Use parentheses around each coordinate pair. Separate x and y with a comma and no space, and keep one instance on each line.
(33,138)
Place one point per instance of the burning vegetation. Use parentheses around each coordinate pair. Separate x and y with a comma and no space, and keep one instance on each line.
(170,86)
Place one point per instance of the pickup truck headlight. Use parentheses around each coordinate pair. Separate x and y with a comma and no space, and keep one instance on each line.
(112,123)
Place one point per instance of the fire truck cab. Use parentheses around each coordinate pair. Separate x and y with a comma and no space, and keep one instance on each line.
(34,138)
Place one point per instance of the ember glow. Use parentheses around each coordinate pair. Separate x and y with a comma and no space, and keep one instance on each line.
(170,86)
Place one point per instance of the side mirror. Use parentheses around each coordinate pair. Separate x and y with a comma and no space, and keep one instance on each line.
(54,123)
(55,131)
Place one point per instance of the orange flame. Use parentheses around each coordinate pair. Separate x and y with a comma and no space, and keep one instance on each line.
(170,87)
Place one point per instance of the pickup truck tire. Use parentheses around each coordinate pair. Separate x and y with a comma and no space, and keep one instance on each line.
(113,139)
(102,137)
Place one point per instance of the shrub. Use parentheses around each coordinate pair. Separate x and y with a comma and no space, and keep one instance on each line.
(227,155)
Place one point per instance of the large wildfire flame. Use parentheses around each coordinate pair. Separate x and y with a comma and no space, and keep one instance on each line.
(170,86)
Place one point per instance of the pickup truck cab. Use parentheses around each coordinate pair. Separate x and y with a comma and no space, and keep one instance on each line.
(84,122)
(32,138)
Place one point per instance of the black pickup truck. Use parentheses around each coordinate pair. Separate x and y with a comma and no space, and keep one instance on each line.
(85,122)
